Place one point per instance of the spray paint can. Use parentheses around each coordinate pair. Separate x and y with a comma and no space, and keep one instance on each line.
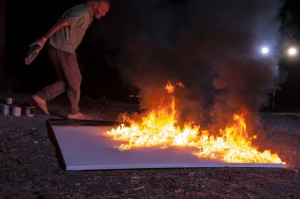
(30,110)
(5,109)
(16,111)
(9,101)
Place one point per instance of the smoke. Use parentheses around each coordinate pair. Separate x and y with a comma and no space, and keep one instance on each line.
(212,47)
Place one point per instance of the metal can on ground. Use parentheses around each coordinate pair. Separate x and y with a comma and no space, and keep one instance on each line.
(30,111)
(9,101)
(5,109)
(16,111)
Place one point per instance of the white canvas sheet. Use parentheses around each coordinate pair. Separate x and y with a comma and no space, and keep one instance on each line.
(87,148)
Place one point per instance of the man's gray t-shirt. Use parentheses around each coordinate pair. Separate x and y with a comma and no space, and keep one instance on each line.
(68,38)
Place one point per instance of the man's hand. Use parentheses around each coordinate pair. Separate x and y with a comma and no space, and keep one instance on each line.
(41,42)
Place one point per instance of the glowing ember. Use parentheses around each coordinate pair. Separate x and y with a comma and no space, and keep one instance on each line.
(159,128)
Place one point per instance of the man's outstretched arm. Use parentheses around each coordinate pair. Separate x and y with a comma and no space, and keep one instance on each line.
(59,25)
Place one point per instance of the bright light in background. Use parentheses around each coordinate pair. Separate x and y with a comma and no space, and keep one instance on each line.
(292,51)
(265,50)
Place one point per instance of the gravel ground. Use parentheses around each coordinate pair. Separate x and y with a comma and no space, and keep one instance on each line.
(29,167)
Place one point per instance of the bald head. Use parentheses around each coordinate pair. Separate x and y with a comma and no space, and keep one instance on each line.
(99,7)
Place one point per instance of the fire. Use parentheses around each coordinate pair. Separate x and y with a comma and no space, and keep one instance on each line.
(159,128)
(233,145)
(170,88)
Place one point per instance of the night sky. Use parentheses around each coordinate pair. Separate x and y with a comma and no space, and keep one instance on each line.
(210,46)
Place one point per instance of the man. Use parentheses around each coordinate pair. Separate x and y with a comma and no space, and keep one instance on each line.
(64,37)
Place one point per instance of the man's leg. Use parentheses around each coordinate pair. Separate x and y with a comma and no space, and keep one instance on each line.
(73,80)
(48,93)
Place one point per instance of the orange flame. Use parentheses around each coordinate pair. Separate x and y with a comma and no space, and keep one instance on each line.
(170,88)
(159,128)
